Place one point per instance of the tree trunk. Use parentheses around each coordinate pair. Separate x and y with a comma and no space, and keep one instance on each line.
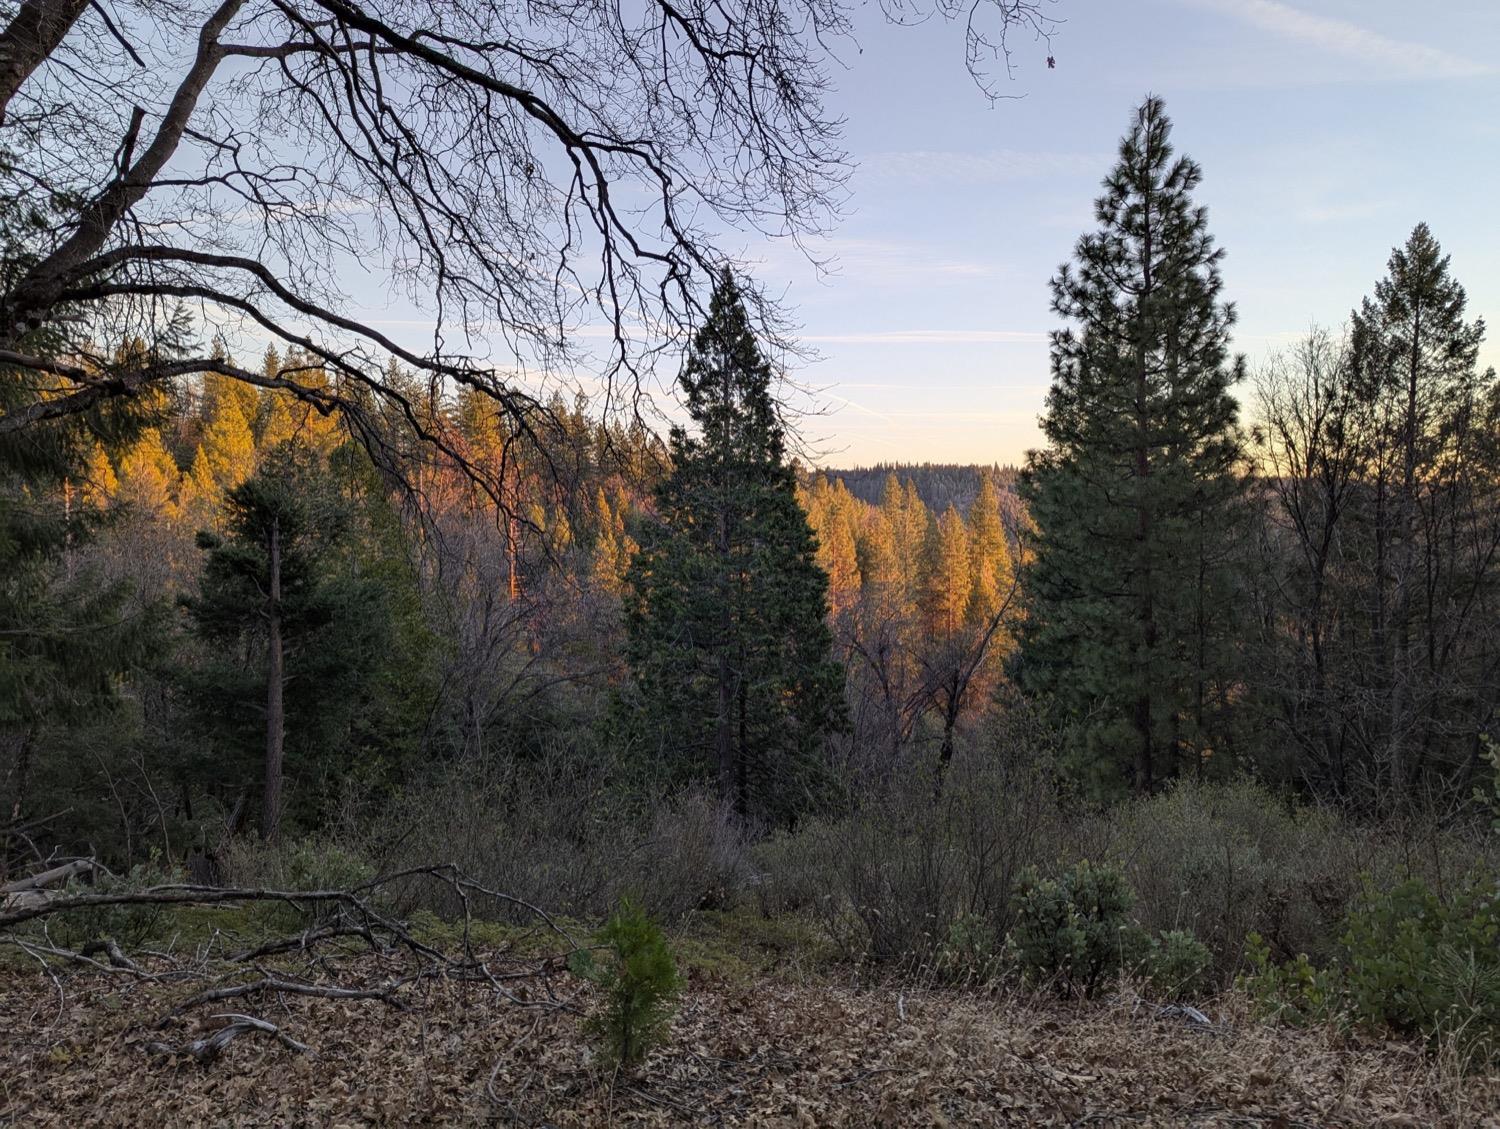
(270,821)
(32,35)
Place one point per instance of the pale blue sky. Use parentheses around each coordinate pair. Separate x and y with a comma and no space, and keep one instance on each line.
(1326,130)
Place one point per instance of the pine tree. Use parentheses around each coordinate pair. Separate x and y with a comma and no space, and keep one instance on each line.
(1135,494)
(876,551)
(227,453)
(99,479)
(68,636)
(218,391)
(829,513)
(149,478)
(991,568)
(946,581)
(1428,509)
(269,592)
(725,611)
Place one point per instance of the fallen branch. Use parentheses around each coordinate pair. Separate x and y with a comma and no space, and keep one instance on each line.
(207,1049)
(69,869)
(385,993)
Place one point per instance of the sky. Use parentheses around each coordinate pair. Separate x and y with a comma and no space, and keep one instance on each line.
(1326,130)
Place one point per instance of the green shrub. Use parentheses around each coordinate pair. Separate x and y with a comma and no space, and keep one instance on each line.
(640,985)
(1294,991)
(304,864)
(1178,965)
(1075,932)
(1411,962)
(1418,964)
(970,953)
(130,925)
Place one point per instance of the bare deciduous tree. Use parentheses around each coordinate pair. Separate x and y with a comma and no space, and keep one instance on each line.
(519,172)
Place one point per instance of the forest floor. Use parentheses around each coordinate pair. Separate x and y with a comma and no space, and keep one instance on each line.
(777,1048)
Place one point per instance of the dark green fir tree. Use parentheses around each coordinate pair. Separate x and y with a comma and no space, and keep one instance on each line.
(730,654)
(1136,496)
(293,638)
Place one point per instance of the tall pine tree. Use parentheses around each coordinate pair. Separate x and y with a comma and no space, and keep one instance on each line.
(726,603)
(1135,495)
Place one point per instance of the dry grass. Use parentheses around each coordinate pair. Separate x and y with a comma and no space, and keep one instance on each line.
(767,1053)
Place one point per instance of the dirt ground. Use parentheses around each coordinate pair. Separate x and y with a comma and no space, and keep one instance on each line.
(73,1053)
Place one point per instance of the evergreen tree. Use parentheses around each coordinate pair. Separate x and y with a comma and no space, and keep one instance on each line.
(68,636)
(1135,495)
(1426,552)
(149,478)
(947,584)
(725,610)
(991,569)
(226,456)
(292,641)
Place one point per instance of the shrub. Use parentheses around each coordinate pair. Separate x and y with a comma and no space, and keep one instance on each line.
(640,985)
(1418,964)
(1178,965)
(892,880)
(1220,860)
(970,953)
(305,864)
(129,925)
(1075,932)
(558,832)
(1410,962)
(1294,992)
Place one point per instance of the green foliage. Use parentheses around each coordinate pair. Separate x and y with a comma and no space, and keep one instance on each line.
(129,925)
(1411,962)
(1294,992)
(335,623)
(1420,964)
(1491,799)
(971,952)
(733,678)
(640,984)
(1074,932)
(1177,965)
(1135,498)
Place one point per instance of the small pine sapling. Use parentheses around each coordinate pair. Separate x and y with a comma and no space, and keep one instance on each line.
(640,985)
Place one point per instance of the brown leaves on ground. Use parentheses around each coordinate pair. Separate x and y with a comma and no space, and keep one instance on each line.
(73,1053)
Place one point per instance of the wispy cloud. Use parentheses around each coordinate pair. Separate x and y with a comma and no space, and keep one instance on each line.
(995,166)
(930,337)
(1395,57)
(874,262)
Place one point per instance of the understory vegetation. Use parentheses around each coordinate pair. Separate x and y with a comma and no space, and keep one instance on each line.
(357,678)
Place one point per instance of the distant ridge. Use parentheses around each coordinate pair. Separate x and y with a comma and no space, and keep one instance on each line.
(938,484)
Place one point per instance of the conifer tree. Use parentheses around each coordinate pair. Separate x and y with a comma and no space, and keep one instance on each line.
(219,391)
(1430,509)
(947,584)
(991,569)
(876,551)
(1134,496)
(725,610)
(226,456)
(99,479)
(290,637)
(149,478)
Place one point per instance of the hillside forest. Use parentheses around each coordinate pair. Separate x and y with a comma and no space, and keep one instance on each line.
(1202,697)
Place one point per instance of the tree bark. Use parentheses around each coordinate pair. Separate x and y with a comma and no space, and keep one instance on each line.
(275,703)
(35,32)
